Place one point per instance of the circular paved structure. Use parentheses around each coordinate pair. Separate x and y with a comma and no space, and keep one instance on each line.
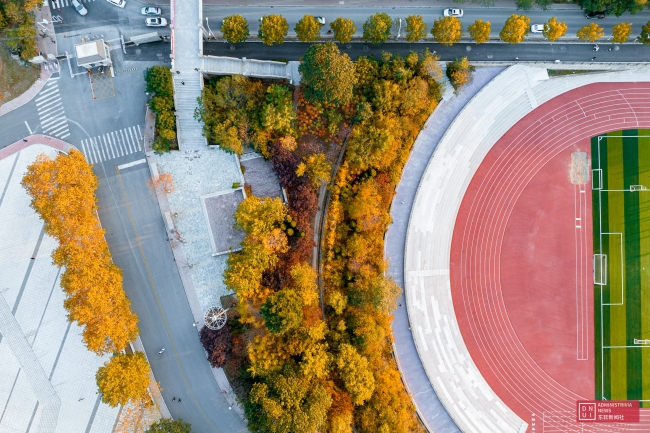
(497,269)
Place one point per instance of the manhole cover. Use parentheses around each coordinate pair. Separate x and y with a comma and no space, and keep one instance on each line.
(233,48)
(126,20)
(616,48)
(562,49)
(348,46)
(490,56)
(138,51)
(365,48)
(468,48)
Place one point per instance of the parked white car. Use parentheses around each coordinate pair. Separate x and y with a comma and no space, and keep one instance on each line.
(537,28)
(151,11)
(155,22)
(453,13)
(79,7)
(118,3)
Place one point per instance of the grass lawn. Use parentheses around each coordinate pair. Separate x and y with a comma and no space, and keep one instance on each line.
(621,220)
(15,78)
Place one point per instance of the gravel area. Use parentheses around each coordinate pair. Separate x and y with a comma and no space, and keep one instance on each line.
(260,175)
(200,174)
(220,210)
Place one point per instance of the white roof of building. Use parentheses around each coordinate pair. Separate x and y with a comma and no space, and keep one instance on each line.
(90,52)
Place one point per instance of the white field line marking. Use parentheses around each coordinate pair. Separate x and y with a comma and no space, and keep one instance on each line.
(28,128)
(131,164)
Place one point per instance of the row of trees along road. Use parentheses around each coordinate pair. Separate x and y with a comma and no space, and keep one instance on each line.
(295,369)
(63,194)
(445,30)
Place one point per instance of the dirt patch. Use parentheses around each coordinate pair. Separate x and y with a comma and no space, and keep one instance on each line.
(15,78)
(579,168)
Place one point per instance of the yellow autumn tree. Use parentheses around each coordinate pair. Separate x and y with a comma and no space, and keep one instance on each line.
(554,29)
(479,30)
(123,379)
(355,373)
(621,32)
(515,29)
(447,30)
(316,167)
(591,33)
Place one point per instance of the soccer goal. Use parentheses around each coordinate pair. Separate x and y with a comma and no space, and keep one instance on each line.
(634,188)
(600,269)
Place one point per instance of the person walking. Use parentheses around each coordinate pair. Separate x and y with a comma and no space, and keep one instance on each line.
(161,351)
(179,399)
(174,399)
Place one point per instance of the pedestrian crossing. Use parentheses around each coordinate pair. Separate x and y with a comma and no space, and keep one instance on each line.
(58,4)
(113,144)
(50,111)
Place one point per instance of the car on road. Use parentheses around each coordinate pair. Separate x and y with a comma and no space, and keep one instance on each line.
(79,7)
(453,12)
(150,11)
(537,28)
(155,22)
(595,15)
(321,20)
(118,3)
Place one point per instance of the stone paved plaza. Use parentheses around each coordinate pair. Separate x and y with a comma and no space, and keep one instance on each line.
(47,376)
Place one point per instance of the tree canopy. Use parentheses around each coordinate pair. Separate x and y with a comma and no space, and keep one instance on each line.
(479,30)
(591,33)
(235,29)
(554,29)
(376,29)
(447,30)
(459,73)
(616,7)
(166,425)
(124,378)
(273,29)
(308,29)
(621,32)
(327,75)
(644,38)
(515,29)
(344,29)
(416,29)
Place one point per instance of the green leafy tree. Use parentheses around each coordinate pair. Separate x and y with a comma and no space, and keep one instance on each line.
(288,403)
(554,29)
(616,7)
(282,311)
(621,32)
(124,378)
(159,81)
(166,425)
(529,4)
(376,29)
(447,30)
(355,373)
(416,29)
(308,29)
(328,75)
(273,29)
(644,38)
(479,30)
(515,29)
(278,114)
(235,29)
(591,33)
(344,29)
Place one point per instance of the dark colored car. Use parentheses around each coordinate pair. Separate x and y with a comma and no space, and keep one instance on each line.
(595,15)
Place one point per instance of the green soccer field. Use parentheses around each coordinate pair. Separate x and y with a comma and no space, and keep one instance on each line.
(621,221)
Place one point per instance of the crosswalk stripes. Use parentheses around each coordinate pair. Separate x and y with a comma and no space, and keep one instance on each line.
(58,4)
(50,111)
(113,144)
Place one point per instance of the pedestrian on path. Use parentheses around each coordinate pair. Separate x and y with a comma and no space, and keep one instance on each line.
(161,350)
(178,72)
(174,399)
(593,58)
(183,83)
(179,399)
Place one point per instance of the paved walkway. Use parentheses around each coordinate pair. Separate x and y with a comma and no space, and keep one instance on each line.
(431,411)
(492,112)
(47,376)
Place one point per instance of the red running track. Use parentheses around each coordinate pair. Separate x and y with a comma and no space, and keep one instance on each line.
(520,270)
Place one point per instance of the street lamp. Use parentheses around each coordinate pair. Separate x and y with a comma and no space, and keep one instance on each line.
(209,31)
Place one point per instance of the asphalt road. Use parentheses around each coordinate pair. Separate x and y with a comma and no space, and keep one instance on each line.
(137,237)
(483,52)
(497,16)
